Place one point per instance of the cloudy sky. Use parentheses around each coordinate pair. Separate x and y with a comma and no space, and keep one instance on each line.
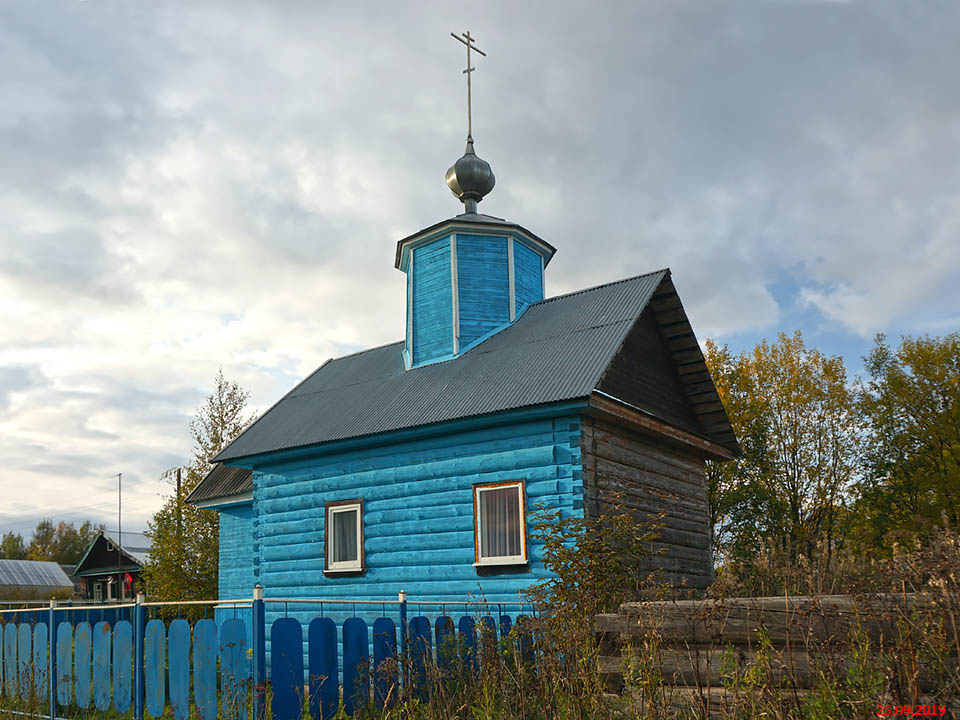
(188,186)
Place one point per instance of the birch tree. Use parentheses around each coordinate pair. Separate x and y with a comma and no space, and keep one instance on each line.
(184,557)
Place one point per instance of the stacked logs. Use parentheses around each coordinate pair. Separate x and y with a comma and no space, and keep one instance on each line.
(712,652)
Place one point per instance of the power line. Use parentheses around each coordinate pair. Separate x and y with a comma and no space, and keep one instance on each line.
(56,512)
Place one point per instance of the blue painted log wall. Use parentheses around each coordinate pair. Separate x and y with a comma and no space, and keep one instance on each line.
(418,513)
(236,559)
(528,277)
(483,282)
(236,573)
(432,301)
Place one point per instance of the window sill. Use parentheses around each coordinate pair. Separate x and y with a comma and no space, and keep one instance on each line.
(500,563)
(345,572)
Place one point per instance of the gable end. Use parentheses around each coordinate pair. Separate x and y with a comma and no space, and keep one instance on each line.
(660,369)
(643,374)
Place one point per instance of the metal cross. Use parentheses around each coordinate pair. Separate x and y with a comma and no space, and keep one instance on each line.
(468,41)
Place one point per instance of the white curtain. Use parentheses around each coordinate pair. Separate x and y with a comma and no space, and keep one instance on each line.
(500,522)
(345,536)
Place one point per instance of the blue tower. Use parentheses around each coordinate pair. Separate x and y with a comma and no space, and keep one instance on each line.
(470,276)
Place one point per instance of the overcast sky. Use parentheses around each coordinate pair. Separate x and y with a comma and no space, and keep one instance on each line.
(187,186)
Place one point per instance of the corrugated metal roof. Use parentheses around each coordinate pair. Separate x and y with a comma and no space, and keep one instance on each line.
(33,573)
(557,350)
(222,481)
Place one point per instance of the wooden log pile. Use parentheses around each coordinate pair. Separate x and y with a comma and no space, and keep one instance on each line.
(705,652)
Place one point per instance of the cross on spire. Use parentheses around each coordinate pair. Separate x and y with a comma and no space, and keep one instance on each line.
(468,41)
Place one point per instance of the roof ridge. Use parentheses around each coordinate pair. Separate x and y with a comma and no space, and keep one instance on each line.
(539,302)
(601,286)
(366,350)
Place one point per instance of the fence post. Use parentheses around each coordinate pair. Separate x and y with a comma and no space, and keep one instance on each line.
(258,636)
(402,597)
(52,661)
(139,613)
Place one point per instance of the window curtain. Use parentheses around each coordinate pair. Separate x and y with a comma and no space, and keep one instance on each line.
(500,522)
(345,536)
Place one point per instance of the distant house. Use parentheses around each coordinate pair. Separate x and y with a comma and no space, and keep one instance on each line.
(111,569)
(33,580)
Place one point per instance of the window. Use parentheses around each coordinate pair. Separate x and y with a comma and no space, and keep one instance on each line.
(98,592)
(343,550)
(500,536)
(110,589)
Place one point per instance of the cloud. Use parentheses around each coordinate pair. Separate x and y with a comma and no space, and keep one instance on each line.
(193,186)
(17,379)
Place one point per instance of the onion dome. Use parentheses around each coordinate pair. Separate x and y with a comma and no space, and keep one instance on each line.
(470,178)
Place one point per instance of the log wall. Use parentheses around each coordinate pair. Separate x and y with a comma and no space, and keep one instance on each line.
(704,649)
(652,478)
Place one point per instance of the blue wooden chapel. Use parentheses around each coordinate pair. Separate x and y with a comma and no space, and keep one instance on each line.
(417,466)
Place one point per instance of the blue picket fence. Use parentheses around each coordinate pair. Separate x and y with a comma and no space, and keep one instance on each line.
(121,658)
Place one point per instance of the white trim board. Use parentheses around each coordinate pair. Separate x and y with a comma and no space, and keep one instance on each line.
(225,500)
(455,291)
(511,279)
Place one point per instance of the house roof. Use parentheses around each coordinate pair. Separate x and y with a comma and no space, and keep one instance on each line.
(134,546)
(137,545)
(222,481)
(33,573)
(558,350)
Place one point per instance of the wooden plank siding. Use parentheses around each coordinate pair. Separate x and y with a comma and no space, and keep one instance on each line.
(432,301)
(483,284)
(690,367)
(528,276)
(652,478)
(644,374)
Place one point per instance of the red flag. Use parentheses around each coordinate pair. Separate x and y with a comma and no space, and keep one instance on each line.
(127,581)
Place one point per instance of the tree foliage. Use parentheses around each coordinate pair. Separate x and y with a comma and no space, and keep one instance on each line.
(61,543)
(184,555)
(592,564)
(12,547)
(798,423)
(827,462)
(911,475)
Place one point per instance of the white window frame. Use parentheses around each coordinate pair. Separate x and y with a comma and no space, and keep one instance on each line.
(520,559)
(330,552)
(98,592)
(111,592)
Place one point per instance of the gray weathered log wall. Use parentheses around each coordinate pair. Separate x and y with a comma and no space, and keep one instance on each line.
(704,649)
(652,478)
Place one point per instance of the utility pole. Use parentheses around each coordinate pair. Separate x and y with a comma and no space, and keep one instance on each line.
(167,475)
(179,509)
(119,535)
